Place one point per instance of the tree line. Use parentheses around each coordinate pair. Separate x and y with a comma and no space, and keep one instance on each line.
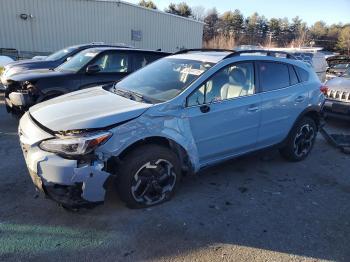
(231,29)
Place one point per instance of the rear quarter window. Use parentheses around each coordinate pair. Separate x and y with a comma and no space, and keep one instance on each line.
(303,74)
(273,76)
(293,76)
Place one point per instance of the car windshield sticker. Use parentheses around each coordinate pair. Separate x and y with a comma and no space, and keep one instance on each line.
(191,71)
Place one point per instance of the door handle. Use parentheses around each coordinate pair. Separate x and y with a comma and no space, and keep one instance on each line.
(300,99)
(253,108)
(205,108)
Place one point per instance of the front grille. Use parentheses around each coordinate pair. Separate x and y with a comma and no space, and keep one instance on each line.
(343,96)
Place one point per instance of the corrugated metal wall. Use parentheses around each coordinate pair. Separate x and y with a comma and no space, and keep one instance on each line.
(54,24)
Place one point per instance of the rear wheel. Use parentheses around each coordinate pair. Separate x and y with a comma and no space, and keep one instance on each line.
(301,140)
(148,175)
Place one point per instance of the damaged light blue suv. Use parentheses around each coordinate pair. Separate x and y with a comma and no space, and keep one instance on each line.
(177,115)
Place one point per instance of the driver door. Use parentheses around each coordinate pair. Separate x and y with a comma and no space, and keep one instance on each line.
(224,113)
(114,65)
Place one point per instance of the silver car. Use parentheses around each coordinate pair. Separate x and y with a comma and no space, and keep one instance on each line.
(338,96)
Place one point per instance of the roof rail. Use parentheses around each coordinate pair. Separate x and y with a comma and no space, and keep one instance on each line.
(267,52)
(184,51)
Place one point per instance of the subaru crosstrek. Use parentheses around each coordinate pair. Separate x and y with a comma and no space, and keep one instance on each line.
(177,115)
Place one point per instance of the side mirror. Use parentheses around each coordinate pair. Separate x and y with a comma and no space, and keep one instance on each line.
(93,69)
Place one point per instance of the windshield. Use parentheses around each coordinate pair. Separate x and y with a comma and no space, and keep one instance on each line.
(60,54)
(341,66)
(163,79)
(78,61)
(347,73)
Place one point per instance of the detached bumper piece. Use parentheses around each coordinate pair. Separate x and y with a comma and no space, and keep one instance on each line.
(18,102)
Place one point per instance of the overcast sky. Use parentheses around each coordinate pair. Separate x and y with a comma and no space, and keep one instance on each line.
(309,10)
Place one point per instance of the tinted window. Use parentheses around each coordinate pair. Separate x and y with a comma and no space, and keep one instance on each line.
(143,59)
(293,76)
(230,82)
(273,76)
(112,62)
(303,74)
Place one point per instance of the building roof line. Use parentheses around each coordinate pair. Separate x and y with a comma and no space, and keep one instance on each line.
(149,9)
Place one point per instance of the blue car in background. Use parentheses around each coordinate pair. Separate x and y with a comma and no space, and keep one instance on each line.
(177,115)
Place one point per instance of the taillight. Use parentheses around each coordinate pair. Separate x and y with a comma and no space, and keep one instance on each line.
(324,89)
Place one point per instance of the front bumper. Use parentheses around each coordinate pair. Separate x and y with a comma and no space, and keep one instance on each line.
(66,181)
(338,109)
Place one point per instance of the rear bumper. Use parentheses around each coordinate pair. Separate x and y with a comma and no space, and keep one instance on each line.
(337,109)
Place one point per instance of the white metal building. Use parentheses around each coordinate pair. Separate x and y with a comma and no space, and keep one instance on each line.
(48,25)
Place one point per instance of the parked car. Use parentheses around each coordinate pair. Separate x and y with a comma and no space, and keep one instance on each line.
(338,96)
(4,60)
(91,67)
(311,55)
(49,62)
(337,65)
(179,114)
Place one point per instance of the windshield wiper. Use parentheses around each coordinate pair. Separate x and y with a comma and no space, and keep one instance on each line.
(130,94)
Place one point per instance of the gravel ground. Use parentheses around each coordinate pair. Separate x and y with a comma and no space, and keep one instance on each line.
(255,208)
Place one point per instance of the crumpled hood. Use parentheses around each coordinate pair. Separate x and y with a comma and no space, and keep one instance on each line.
(86,109)
(339,84)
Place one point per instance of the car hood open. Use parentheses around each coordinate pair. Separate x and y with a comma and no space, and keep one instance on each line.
(86,109)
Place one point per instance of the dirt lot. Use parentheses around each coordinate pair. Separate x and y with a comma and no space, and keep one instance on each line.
(255,208)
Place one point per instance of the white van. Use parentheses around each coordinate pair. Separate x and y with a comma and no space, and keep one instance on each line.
(312,55)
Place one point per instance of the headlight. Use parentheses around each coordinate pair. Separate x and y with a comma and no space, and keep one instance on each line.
(76,145)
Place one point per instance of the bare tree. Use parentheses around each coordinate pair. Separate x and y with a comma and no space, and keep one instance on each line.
(198,13)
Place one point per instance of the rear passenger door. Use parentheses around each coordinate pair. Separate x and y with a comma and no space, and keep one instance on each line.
(283,98)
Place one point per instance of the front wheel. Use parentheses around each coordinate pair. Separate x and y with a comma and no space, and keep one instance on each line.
(300,141)
(148,175)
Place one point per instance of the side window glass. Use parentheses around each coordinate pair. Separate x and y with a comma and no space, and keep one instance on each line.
(142,59)
(112,63)
(230,82)
(273,76)
(293,76)
(303,74)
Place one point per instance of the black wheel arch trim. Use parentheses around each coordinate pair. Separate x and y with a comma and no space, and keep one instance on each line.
(313,111)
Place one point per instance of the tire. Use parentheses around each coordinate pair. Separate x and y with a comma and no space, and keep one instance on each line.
(300,140)
(148,175)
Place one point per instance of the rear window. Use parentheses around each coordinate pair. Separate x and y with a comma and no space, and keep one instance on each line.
(303,74)
(273,76)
